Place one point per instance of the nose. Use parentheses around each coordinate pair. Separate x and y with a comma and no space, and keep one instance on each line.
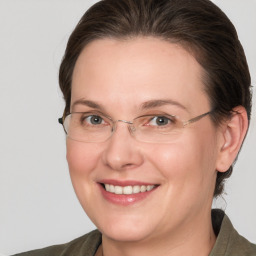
(122,150)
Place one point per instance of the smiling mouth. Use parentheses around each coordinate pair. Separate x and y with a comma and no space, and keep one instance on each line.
(127,190)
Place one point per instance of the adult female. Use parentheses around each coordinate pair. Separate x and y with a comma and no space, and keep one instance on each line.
(175,74)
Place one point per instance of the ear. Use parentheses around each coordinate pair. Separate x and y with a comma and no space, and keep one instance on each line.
(232,133)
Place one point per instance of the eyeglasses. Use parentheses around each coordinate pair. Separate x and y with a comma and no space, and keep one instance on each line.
(96,127)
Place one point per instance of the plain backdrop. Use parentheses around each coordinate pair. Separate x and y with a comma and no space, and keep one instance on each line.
(37,204)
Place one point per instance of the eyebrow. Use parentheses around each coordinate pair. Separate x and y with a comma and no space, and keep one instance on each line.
(88,103)
(144,106)
(161,102)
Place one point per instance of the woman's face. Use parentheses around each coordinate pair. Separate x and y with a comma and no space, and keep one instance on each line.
(123,80)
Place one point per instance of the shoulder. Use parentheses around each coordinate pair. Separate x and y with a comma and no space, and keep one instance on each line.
(229,242)
(88,244)
(237,243)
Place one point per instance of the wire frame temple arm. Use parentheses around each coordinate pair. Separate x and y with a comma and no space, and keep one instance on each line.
(195,119)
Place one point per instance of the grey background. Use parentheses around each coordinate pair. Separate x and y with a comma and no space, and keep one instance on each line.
(37,204)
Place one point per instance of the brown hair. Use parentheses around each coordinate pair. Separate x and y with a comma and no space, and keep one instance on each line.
(198,25)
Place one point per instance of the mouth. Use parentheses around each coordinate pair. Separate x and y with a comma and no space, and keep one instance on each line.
(125,193)
(127,190)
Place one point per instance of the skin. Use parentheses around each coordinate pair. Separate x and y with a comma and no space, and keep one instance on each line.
(175,219)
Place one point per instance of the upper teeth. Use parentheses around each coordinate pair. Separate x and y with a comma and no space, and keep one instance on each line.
(127,190)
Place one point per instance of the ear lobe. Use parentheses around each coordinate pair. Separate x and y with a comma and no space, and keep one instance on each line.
(233,133)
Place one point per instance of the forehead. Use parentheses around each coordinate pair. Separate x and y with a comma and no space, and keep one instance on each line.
(130,72)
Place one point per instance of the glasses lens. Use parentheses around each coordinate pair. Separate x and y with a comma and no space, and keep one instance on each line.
(94,127)
(157,128)
(87,127)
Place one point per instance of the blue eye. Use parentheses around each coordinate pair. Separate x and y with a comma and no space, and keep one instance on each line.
(160,121)
(92,120)
(95,120)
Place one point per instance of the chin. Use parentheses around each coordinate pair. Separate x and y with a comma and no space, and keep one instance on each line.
(124,228)
(126,233)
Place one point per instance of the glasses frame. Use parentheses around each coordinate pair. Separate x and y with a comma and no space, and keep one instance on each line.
(130,123)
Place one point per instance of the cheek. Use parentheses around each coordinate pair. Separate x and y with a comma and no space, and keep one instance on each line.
(188,163)
(82,158)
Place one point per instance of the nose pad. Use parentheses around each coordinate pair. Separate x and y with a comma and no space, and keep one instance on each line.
(131,129)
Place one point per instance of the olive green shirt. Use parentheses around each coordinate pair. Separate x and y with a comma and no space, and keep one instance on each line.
(228,243)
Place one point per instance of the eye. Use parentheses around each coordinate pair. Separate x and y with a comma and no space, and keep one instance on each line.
(95,120)
(92,120)
(160,121)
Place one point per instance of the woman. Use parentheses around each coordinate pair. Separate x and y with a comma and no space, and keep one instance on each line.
(158,104)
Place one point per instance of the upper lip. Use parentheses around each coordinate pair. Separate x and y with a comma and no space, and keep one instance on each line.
(124,183)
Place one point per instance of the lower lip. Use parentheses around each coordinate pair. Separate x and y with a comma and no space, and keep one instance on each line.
(125,199)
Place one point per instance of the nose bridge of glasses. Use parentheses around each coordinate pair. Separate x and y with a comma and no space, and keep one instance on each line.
(124,121)
(129,123)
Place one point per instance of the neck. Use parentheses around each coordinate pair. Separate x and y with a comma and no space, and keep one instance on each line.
(197,239)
